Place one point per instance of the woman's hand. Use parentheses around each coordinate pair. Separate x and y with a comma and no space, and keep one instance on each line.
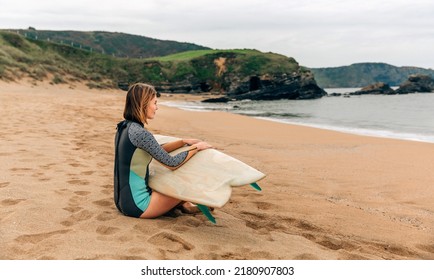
(190,141)
(202,146)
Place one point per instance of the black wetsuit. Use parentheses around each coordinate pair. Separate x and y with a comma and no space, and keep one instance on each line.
(134,149)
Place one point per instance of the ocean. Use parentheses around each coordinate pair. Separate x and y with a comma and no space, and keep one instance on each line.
(407,116)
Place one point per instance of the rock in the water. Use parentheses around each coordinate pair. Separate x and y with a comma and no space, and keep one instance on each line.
(417,83)
(377,88)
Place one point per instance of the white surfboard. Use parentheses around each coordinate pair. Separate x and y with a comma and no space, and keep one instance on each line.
(206,179)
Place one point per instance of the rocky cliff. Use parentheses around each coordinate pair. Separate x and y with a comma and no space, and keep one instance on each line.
(283,86)
(245,75)
(240,74)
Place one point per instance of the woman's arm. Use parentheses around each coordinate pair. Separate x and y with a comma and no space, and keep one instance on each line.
(143,139)
(171,146)
(195,148)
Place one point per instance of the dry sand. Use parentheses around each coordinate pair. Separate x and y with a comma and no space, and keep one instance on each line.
(327,195)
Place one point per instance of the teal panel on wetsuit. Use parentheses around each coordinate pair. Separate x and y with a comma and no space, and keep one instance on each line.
(139,191)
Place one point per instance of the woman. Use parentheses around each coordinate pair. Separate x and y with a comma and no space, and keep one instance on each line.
(135,147)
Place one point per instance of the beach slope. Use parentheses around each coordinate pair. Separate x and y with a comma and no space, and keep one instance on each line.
(327,195)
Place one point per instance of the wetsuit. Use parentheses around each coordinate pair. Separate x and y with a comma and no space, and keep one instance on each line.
(134,149)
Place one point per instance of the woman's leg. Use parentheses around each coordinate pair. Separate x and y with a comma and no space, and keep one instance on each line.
(159,205)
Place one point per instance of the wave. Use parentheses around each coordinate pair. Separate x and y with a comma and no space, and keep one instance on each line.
(418,137)
(195,106)
(272,115)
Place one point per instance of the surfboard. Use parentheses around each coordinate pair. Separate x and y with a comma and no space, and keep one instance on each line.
(206,179)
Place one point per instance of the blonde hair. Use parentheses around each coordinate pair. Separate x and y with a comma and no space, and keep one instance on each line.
(138,97)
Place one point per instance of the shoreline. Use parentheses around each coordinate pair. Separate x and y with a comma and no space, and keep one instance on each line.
(327,195)
(387,134)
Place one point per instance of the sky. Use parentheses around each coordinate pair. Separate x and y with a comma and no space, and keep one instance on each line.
(317,33)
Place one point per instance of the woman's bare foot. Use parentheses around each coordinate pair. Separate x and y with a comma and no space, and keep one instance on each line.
(190,208)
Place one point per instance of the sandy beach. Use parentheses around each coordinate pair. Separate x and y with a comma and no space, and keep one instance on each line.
(327,195)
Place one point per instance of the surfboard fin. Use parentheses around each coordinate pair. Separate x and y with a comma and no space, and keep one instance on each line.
(206,212)
(256,186)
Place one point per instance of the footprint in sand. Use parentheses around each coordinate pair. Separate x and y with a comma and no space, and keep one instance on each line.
(107,189)
(36,238)
(37,174)
(5,154)
(75,164)
(186,223)
(107,192)
(4,184)
(104,202)
(75,201)
(10,202)
(191,221)
(106,216)
(61,191)
(170,242)
(47,166)
(18,169)
(107,186)
(264,205)
(78,182)
(102,164)
(77,217)
(82,193)
(73,209)
(41,176)
(44,179)
(105,230)
(261,221)
(145,229)
(306,256)
(239,254)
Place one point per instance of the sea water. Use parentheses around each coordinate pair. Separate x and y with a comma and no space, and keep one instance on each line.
(407,116)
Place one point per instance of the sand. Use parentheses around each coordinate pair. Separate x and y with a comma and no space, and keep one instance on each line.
(327,195)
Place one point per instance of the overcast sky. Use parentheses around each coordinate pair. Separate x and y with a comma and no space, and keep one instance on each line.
(317,33)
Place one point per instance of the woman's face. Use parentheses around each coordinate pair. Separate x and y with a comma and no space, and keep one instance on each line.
(152,108)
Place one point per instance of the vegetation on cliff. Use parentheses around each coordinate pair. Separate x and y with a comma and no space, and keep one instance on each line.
(110,43)
(21,57)
(107,59)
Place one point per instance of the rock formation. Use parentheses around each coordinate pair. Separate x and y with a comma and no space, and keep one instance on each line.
(295,86)
(377,88)
(417,83)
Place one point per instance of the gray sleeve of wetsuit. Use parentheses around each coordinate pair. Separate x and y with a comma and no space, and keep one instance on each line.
(143,139)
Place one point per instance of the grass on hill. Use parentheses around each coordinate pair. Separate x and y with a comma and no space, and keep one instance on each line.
(21,57)
(188,55)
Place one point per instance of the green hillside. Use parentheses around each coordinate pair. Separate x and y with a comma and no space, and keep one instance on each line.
(105,59)
(21,57)
(111,43)
(363,74)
